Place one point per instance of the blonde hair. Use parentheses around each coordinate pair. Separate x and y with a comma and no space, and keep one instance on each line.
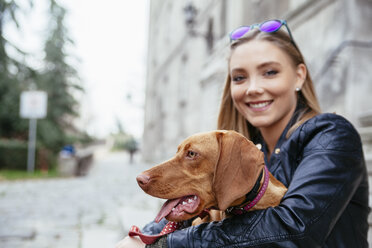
(229,117)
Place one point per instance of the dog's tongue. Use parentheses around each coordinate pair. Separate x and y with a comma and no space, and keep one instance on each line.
(166,209)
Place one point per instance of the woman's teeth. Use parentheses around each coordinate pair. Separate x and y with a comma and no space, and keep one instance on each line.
(259,105)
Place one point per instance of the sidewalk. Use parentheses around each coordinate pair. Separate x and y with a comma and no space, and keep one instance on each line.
(92,211)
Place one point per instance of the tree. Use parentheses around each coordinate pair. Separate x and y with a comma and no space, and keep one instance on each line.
(60,80)
(13,77)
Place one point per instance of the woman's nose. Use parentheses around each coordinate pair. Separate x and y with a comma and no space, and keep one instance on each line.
(254,88)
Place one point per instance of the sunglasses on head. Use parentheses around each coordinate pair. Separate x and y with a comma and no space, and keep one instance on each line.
(266,26)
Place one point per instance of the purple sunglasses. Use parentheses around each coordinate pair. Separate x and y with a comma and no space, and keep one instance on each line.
(266,26)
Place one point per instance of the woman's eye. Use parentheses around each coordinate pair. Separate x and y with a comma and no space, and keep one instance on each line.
(271,73)
(238,78)
(191,154)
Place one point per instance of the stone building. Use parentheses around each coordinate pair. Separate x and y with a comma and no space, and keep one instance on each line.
(187,51)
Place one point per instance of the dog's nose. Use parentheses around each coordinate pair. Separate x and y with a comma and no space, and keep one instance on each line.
(142,180)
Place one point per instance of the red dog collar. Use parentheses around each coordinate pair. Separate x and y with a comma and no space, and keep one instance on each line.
(241,210)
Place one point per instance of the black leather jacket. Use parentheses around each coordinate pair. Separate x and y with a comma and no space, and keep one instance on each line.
(326,205)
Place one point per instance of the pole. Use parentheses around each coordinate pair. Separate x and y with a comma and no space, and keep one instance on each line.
(31,145)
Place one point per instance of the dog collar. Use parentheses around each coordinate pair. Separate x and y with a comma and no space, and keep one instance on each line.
(255,190)
(251,204)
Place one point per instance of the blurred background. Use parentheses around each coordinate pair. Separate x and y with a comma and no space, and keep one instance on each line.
(126,81)
(91,61)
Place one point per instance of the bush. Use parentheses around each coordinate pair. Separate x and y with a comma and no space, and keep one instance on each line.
(13,156)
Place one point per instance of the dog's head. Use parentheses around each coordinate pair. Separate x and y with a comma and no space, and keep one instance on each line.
(213,169)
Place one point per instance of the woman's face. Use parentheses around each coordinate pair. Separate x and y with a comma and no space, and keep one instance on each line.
(263,84)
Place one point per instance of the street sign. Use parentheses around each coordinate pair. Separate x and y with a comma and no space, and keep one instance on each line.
(33,104)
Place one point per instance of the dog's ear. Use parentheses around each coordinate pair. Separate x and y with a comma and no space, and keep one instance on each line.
(239,165)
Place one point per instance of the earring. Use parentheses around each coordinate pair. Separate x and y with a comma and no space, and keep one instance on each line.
(298,89)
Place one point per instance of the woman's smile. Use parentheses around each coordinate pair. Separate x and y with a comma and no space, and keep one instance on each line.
(259,106)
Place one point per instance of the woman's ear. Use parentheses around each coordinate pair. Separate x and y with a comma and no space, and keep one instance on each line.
(301,72)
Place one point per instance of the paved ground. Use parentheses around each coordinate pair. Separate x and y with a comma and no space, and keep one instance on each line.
(91,211)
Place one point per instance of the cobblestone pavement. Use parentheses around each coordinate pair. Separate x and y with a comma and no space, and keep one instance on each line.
(91,211)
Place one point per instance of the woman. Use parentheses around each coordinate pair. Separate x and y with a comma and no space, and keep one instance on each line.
(269,97)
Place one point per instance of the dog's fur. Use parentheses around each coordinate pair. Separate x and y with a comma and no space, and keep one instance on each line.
(219,167)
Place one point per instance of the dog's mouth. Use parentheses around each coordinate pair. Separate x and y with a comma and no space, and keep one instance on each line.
(176,208)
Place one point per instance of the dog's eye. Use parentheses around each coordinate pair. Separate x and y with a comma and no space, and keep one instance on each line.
(191,154)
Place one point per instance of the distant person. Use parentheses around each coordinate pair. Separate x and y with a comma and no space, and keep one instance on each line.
(269,97)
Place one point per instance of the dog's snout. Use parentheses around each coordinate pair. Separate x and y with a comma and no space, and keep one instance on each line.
(142,180)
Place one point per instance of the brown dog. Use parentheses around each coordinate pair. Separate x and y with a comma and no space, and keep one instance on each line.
(213,170)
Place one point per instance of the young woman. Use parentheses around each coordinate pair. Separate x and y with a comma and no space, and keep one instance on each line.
(269,97)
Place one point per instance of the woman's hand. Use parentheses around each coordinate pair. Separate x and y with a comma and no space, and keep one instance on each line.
(130,242)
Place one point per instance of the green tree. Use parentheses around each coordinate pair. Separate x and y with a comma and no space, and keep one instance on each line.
(60,80)
(13,77)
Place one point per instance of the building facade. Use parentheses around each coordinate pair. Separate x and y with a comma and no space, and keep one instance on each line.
(187,62)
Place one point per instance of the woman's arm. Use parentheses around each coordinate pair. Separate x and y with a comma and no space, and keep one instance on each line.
(130,242)
(327,177)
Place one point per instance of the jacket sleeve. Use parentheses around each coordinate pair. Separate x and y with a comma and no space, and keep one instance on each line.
(153,228)
(326,178)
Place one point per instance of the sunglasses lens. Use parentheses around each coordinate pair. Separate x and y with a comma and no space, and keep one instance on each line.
(239,32)
(270,26)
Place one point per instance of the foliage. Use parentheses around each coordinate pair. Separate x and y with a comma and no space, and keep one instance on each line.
(13,76)
(10,123)
(123,141)
(13,155)
(57,78)
(130,144)
(126,142)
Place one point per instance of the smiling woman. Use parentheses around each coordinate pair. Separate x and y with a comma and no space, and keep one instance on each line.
(276,71)
(263,87)
(269,98)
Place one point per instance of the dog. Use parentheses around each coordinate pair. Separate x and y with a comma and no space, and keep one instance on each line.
(211,177)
